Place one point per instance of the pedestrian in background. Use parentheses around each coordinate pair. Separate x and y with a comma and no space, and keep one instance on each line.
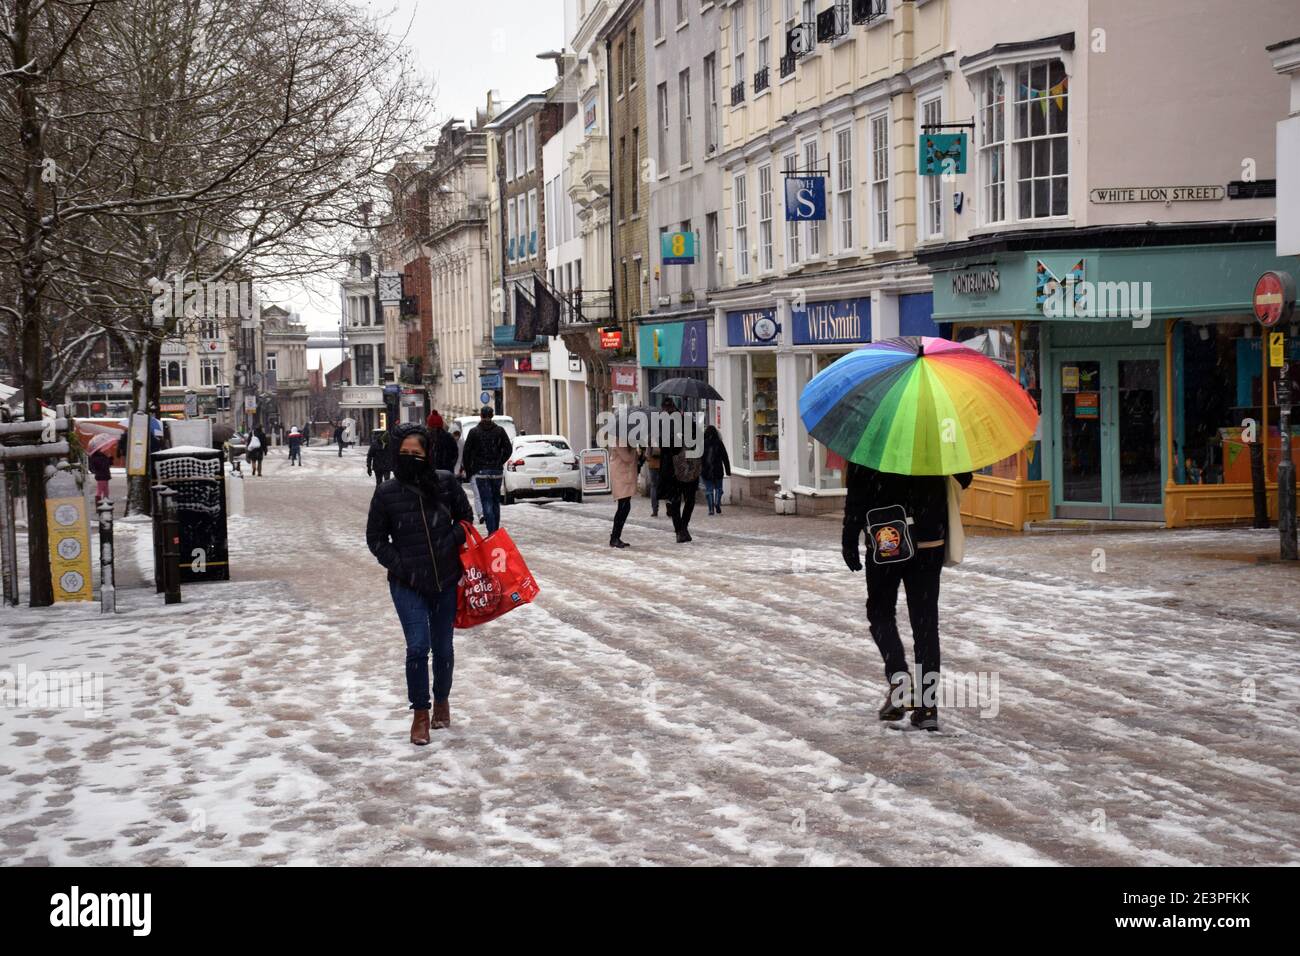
(925,500)
(256,451)
(414,530)
(679,479)
(378,458)
(446,451)
(487,449)
(715,465)
(101,466)
(624,462)
(652,480)
(295,446)
(338,437)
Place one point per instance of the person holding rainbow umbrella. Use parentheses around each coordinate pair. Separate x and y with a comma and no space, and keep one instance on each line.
(914,416)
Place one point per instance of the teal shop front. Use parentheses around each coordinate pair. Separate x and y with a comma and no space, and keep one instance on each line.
(1145,362)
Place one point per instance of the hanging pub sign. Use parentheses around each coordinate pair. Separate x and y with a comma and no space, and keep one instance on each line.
(677,248)
(611,338)
(942,153)
(805,198)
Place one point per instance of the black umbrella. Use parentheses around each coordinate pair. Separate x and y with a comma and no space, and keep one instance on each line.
(687,388)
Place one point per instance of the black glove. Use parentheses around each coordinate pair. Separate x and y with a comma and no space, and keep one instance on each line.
(849,548)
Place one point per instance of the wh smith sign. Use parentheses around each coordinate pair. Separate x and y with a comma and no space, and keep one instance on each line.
(843,322)
(805,198)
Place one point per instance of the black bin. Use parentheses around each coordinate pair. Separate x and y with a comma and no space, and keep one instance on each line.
(197,475)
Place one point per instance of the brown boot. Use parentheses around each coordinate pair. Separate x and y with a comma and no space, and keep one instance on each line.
(420,728)
(441,715)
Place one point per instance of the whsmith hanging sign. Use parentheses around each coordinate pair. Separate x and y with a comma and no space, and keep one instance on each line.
(1121,194)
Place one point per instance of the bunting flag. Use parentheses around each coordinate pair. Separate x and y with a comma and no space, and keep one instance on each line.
(548,309)
(525,317)
(1056,94)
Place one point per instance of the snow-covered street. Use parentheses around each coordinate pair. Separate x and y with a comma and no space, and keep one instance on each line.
(669,704)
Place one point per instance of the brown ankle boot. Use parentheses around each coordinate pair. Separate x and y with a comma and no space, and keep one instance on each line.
(420,728)
(441,715)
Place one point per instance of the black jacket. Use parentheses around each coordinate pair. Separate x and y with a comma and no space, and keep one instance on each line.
(924,496)
(716,460)
(445,450)
(415,534)
(487,447)
(378,458)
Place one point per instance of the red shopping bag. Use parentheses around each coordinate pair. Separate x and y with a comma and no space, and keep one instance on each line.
(496,579)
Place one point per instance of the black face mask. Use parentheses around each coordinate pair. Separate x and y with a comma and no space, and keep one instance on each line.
(409,468)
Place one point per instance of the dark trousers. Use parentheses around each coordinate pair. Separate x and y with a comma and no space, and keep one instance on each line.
(713,494)
(682,505)
(428,624)
(380,478)
(489,497)
(654,491)
(620,517)
(920,578)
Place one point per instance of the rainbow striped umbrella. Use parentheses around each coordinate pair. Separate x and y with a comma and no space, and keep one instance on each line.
(918,406)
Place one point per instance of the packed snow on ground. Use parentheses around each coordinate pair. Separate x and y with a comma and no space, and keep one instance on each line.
(704,703)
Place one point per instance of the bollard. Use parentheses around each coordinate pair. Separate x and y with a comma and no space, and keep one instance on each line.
(171,533)
(107,579)
(155,525)
(1257,485)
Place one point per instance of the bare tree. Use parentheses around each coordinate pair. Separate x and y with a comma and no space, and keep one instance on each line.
(202,139)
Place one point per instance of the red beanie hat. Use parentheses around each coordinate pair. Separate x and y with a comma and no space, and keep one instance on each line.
(434,420)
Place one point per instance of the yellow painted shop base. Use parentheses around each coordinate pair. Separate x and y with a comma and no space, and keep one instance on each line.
(1004,502)
(1190,505)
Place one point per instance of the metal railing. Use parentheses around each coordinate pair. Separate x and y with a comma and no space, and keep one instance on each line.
(761,79)
(738,93)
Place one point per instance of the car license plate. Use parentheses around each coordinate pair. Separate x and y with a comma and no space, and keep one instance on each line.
(545,481)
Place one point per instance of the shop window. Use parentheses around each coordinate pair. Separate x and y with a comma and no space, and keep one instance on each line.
(1219,393)
(757,413)
(999,344)
(819,467)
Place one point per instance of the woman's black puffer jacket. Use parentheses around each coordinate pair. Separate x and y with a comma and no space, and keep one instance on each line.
(414,529)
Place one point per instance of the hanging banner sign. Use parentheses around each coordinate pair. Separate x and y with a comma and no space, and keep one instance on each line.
(677,248)
(611,338)
(805,198)
(69,537)
(942,153)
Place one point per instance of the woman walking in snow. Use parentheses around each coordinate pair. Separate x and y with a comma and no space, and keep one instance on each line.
(414,531)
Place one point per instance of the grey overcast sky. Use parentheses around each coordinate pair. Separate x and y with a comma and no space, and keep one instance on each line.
(465,48)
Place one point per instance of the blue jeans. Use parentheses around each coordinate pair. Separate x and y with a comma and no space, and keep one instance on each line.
(713,494)
(489,498)
(428,625)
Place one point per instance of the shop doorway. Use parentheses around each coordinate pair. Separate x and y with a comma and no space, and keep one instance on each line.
(1110,434)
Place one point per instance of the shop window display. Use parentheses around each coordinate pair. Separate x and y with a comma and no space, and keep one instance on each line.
(1219,391)
(819,467)
(757,420)
(999,344)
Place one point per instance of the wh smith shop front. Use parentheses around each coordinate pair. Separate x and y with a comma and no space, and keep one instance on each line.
(1145,359)
(769,352)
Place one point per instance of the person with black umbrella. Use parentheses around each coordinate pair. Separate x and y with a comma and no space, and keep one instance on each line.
(679,475)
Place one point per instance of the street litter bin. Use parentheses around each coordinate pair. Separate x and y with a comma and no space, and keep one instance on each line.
(197,475)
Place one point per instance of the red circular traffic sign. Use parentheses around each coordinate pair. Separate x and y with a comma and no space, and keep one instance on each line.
(1274,298)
